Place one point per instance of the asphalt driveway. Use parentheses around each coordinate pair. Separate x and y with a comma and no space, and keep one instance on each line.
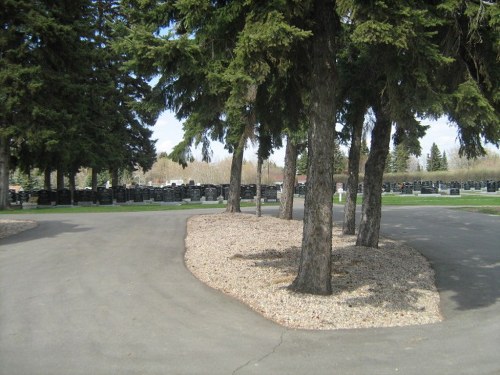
(109,294)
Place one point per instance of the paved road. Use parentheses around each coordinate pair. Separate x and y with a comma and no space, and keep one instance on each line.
(109,294)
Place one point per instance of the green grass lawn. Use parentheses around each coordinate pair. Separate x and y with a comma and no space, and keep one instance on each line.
(480,202)
(462,200)
(122,208)
(422,200)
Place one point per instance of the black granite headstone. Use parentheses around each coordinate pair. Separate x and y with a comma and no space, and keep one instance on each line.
(210,194)
(195,194)
(44,197)
(168,194)
(64,197)
(105,196)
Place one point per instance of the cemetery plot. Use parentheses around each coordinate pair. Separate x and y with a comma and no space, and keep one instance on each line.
(212,193)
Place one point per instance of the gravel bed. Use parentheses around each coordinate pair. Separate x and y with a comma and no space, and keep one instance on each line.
(256,259)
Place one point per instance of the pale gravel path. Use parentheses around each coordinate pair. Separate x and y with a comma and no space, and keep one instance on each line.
(255,259)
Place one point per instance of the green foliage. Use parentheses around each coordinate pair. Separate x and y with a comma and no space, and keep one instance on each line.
(444,162)
(339,160)
(434,159)
(470,35)
(302,163)
(400,156)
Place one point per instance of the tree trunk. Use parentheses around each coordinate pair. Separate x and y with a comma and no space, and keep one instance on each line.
(371,211)
(286,200)
(233,201)
(4,173)
(349,225)
(314,275)
(60,178)
(258,198)
(94,179)
(47,183)
(114,177)
(72,185)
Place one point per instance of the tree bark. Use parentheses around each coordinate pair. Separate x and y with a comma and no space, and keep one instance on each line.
(60,178)
(371,210)
(72,185)
(314,275)
(286,200)
(114,177)
(94,179)
(47,183)
(258,204)
(349,225)
(233,201)
(4,173)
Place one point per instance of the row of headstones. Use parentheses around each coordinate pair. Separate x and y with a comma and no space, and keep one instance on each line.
(105,196)
(433,187)
(424,187)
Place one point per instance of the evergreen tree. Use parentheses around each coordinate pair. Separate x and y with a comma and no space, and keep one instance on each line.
(389,167)
(302,163)
(400,158)
(434,159)
(19,82)
(339,160)
(444,162)
(469,34)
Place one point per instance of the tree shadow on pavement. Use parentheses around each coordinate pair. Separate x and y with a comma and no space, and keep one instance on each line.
(44,229)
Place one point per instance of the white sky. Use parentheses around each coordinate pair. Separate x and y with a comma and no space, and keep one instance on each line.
(168,131)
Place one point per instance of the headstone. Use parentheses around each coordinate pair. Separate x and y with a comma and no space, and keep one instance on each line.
(491,187)
(12,195)
(158,195)
(211,194)
(168,194)
(64,197)
(427,190)
(105,196)
(44,198)
(23,196)
(407,188)
(302,190)
(139,197)
(146,194)
(271,193)
(178,193)
(89,196)
(247,192)
(195,194)
(131,194)
(120,194)
(454,191)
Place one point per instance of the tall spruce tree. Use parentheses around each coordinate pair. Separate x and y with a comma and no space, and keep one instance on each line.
(434,160)
(444,162)
(19,80)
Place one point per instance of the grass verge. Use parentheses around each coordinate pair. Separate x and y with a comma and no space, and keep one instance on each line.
(121,208)
(422,200)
